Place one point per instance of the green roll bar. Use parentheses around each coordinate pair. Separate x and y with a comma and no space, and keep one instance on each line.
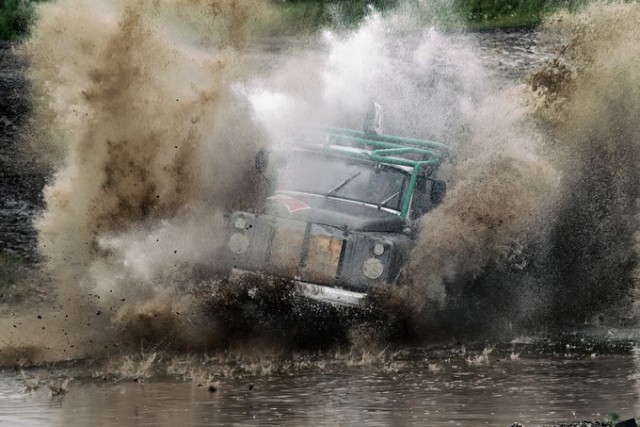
(393,150)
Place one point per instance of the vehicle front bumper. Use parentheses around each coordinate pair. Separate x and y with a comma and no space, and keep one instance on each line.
(325,294)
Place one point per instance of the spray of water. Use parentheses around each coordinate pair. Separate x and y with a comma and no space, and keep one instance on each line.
(502,190)
(140,113)
(155,127)
(151,115)
(587,99)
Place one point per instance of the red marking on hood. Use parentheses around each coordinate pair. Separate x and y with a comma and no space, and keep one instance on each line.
(292,204)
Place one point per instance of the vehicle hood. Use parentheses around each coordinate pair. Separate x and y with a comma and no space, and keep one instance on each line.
(335,212)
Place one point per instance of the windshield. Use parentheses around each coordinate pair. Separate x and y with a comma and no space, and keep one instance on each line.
(362,181)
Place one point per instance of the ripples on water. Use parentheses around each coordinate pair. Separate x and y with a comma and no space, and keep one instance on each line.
(534,384)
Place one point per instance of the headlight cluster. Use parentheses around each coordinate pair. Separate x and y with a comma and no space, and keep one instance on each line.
(239,242)
(373,267)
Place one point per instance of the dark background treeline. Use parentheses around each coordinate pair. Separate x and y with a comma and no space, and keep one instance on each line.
(16,16)
(471,14)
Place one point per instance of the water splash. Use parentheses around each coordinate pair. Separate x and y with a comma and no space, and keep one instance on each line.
(139,111)
(587,101)
(151,116)
(502,188)
(141,184)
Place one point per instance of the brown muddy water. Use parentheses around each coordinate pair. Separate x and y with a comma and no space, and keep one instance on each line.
(533,384)
(131,128)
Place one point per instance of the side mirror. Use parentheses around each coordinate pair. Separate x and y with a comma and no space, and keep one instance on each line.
(438,192)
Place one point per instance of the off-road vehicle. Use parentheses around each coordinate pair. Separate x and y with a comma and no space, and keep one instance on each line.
(341,219)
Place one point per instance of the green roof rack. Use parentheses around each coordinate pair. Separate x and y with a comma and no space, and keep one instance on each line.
(388,145)
(395,150)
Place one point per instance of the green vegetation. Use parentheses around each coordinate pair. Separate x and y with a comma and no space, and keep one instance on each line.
(16,16)
(455,14)
(290,17)
(489,14)
(332,12)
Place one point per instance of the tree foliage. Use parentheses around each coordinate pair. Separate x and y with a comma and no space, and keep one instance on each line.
(16,16)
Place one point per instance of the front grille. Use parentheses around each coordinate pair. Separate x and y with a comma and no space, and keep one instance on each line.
(323,257)
(301,253)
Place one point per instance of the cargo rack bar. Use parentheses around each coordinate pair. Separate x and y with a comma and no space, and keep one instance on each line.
(392,150)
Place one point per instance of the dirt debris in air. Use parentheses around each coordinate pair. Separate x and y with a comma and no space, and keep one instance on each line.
(116,195)
(134,172)
(122,189)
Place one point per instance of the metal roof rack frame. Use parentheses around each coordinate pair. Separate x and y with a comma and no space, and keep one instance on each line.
(390,149)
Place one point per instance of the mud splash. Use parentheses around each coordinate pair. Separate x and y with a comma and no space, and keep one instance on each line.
(147,161)
(502,200)
(503,189)
(542,223)
(587,99)
(151,118)
(140,143)
(139,112)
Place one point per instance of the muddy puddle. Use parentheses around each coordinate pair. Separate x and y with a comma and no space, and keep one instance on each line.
(530,383)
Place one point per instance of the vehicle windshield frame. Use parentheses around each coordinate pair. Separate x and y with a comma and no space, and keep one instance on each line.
(352,159)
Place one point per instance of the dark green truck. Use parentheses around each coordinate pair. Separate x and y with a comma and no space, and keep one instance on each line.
(341,220)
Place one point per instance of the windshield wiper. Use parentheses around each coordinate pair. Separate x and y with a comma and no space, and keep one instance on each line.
(342,184)
(388,199)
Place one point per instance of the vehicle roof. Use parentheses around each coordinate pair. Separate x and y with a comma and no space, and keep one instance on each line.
(408,155)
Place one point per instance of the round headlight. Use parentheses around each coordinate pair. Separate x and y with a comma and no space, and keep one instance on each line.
(378,249)
(372,268)
(240,223)
(238,243)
